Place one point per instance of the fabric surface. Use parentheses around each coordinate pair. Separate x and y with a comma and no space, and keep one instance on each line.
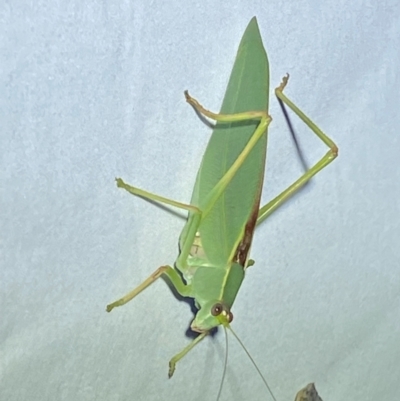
(90,91)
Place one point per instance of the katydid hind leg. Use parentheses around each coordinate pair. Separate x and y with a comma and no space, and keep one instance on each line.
(293,136)
(228,118)
(257,115)
(332,153)
(261,129)
(166,271)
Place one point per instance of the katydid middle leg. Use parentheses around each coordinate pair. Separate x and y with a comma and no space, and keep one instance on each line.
(194,215)
(154,197)
(167,271)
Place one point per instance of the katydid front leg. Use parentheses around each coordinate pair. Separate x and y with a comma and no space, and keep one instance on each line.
(175,359)
(181,288)
(167,271)
(332,153)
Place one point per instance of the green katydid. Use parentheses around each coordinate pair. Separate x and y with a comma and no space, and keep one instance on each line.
(224,209)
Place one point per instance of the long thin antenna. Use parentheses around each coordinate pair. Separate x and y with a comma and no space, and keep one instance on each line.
(253,362)
(225,365)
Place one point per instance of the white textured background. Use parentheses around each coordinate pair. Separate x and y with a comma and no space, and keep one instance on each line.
(93,91)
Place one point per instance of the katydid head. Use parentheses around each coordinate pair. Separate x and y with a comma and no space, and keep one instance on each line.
(212,314)
(215,290)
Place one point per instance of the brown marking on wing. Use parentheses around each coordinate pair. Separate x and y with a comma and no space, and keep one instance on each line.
(244,245)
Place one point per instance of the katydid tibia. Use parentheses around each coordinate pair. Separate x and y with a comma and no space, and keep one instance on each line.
(224,209)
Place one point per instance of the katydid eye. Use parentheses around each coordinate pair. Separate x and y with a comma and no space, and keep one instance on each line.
(230,317)
(216,309)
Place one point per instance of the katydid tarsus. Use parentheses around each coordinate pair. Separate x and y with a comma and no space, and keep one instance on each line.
(224,209)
